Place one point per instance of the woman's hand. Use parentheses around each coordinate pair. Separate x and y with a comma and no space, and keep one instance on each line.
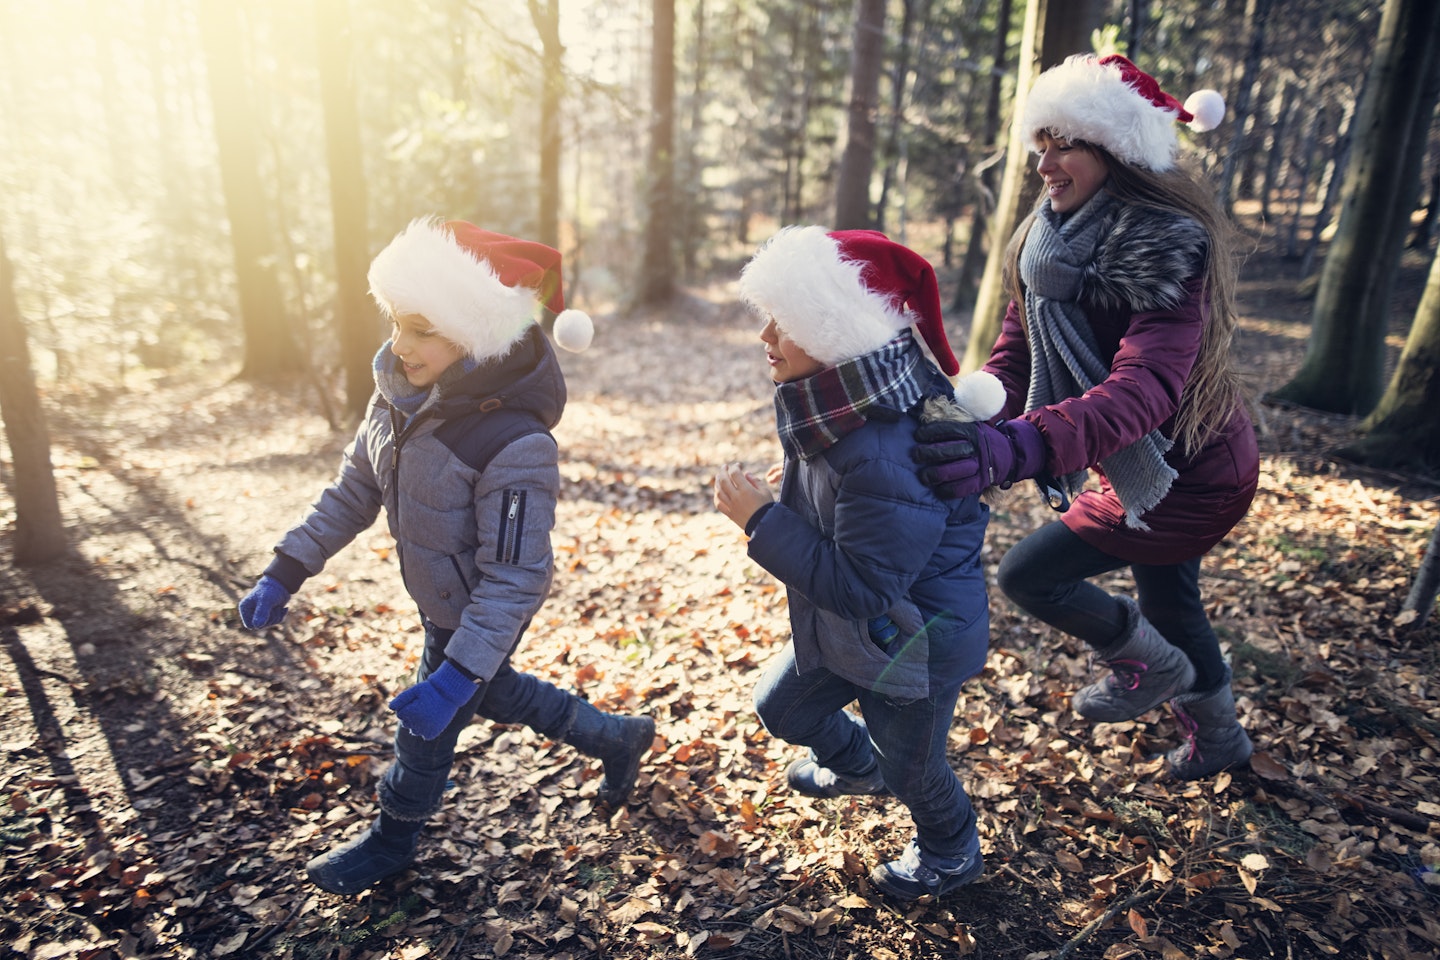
(739,494)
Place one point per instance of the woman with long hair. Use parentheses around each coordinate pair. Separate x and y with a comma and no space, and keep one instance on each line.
(1115,357)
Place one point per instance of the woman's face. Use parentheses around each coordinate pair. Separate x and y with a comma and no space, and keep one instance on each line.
(787,361)
(424,354)
(1073,173)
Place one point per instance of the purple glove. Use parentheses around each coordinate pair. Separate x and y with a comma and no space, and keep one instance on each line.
(264,606)
(427,708)
(964,459)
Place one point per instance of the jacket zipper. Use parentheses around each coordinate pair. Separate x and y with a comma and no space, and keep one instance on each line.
(508,547)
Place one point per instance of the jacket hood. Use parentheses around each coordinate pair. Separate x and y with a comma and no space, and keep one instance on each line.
(526,379)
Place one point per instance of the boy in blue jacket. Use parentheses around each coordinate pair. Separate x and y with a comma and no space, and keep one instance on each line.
(456,446)
(887,597)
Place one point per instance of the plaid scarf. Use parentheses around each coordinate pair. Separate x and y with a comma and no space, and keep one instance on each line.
(814,413)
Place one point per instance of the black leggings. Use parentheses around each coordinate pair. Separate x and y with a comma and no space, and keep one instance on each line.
(1047,575)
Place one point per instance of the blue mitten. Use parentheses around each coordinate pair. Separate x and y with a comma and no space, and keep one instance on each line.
(967,458)
(264,606)
(427,708)
(883,631)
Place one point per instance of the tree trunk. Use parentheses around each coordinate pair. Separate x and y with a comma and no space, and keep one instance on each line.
(270,349)
(1344,365)
(1421,598)
(1054,29)
(354,313)
(692,208)
(975,243)
(1425,229)
(898,86)
(857,163)
(1138,15)
(1259,16)
(39,530)
(1404,432)
(546,17)
(657,265)
(1335,174)
(1273,182)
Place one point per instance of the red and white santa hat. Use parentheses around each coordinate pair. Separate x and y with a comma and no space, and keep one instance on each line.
(1110,102)
(843,294)
(477,288)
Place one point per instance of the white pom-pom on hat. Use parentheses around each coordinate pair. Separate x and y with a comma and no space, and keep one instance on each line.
(573,330)
(980,395)
(1208,109)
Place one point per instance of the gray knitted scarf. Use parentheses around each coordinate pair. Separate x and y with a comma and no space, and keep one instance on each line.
(1065,360)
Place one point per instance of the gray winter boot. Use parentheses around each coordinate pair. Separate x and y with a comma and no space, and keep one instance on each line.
(1146,671)
(1214,738)
(619,743)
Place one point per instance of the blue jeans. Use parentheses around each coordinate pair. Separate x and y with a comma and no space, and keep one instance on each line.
(412,786)
(907,740)
(1047,575)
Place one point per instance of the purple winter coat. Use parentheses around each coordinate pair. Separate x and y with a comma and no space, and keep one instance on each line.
(1151,354)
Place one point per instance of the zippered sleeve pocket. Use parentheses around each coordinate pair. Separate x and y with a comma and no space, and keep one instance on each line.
(512,527)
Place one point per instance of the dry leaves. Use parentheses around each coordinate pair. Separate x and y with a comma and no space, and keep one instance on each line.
(194,768)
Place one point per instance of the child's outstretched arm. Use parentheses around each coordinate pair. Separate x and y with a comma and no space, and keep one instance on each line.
(343,510)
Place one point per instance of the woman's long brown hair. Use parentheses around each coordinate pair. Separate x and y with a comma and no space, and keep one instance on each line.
(1213,388)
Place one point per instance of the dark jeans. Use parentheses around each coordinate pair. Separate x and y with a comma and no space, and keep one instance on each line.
(1047,575)
(906,738)
(412,786)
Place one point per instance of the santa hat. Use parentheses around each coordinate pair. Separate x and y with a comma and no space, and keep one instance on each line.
(1110,102)
(844,294)
(477,288)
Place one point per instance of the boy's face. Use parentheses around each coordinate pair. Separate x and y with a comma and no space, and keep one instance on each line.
(424,354)
(787,361)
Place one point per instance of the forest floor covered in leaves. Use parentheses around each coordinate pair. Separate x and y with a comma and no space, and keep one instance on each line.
(167,774)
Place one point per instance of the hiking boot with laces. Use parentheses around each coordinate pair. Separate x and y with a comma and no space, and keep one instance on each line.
(1146,670)
(918,873)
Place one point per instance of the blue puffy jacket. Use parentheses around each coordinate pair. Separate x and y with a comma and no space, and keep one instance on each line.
(854,535)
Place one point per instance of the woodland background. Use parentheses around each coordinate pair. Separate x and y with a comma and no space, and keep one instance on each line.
(191,194)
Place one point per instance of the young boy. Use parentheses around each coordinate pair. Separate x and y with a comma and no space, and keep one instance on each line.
(859,540)
(456,447)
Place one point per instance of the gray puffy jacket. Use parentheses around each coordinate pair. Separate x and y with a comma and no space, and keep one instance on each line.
(469,487)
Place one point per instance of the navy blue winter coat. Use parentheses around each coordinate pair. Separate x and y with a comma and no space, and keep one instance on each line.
(854,535)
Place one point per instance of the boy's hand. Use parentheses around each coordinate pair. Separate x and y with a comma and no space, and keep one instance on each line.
(264,606)
(427,708)
(739,494)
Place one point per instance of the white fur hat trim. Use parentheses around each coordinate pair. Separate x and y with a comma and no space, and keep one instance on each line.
(818,297)
(425,271)
(1082,100)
